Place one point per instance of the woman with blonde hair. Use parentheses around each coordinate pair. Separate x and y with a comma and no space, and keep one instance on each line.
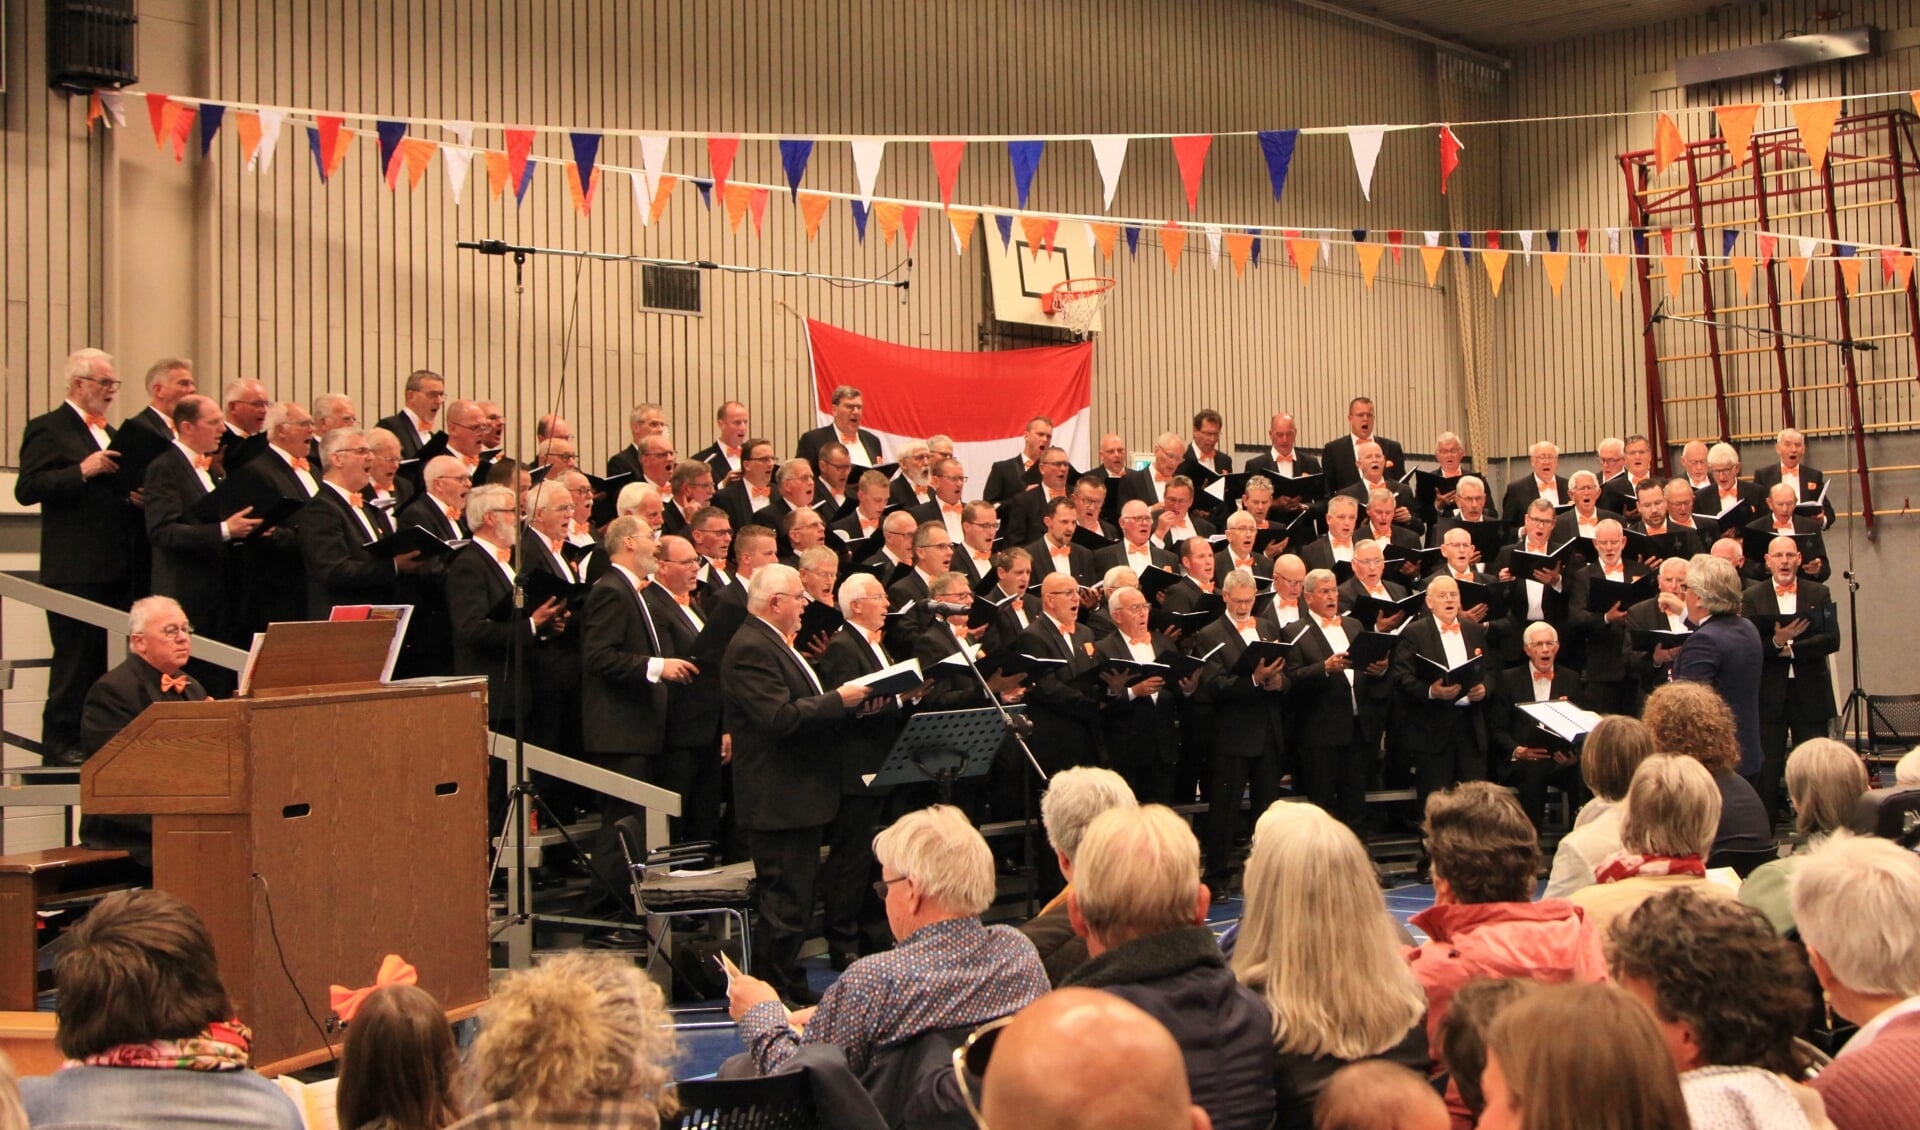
(581,1040)
(1672,809)
(1318,944)
(1579,1057)
(1692,719)
(1612,751)
(1824,781)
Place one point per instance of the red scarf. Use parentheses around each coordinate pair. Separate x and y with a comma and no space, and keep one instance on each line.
(1625,865)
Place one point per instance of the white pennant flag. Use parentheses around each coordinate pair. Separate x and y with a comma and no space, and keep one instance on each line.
(458,159)
(1613,241)
(955,233)
(653,154)
(1432,238)
(1809,247)
(270,125)
(1109,152)
(1326,249)
(115,104)
(1213,244)
(1526,244)
(463,131)
(1365,141)
(866,164)
(642,200)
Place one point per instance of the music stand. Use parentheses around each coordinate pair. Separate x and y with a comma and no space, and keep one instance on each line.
(943,746)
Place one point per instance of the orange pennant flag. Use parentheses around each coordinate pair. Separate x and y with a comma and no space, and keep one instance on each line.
(1815,120)
(1668,145)
(180,121)
(94,110)
(1850,273)
(1433,257)
(1035,229)
(497,171)
(661,193)
(246,125)
(1104,236)
(1369,254)
(813,209)
(1556,264)
(887,213)
(1903,268)
(1304,251)
(157,105)
(1797,267)
(1915,95)
(1239,250)
(1674,268)
(1742,268)
(757,208)
(418,153)
(963,223)
(736,197)
(1736,125)
(1496,264)
(1173,241)
(1616,266)
(582,197)
(340,147)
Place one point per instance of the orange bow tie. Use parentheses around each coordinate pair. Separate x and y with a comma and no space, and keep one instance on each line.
(1466,576)
(353,500)
(202,462)
(683,600)
(1243,563)
(94,421)
(1243,625)
(1788,591)
(299,463)
(1330,621)
(453,515)
(732,453)
(1061,550)
(472,462)
(1142,641)
(954,509)
(555,544)
(171,684)
(1160,478)
(874,638)
(1547,674)
(394,970)
(505,556)
(1205,586)
(1453,627)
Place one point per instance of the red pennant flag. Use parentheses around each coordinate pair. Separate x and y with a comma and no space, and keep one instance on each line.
(1493,243)
(180,121)
(1047,233)
(519,147)
(94,110)
(1450,148)
(1887,256)
(1191,153)
(946,166)
(157,113)
(758,208)
(1395,238)
(1666,240)
(1769,243)
(910,223)
(720,151)
(1580,237)
(329,127)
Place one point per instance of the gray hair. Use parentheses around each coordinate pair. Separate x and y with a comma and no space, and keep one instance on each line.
(622,528)
(1237,581)
(633,496)
(943,853)
(1583,474)
(548,493)
(381,437)
(1316,578)
(1672,807)
(82,362)
(792,468)
(1722,455)
(337,439)
(1119,577)
(767,581)
(1538,629)
(278,412)
(855,586)
(1856,901)
(639,412)
(1715,581)
(1906,771)
(146,608)
(157,372)
(481,499)
(418,379)
(1138,874)
(327,403)
(236,388)
(1074,797)
(1825,780)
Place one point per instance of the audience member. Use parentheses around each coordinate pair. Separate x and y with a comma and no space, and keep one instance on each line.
(1690,719)
(1856,903)
(1463,1037)
(149,1029)
(12,1115)
(1672,808)
(1080,1059)
(1138,900)
(1585,1056)
(1483,923)
(1612,751)
(948,970)
(1724,653)
(1073,798)
(1906,771)
(1824,782)
(1318,944)
(580,1040)
(1728,994)
(1377,1095)
(398,1068)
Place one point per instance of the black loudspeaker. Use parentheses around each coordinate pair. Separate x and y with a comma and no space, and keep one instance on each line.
(90,44)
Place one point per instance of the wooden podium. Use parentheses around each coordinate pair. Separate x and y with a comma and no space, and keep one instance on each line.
(359,809)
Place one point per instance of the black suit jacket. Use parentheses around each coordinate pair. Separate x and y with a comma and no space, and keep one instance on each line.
(1303,464)
(1248,721)
(1598,649)
(1341,469)
(401,425)
(734,499)
(786,734)
(1009,477)
(1808,693)
(482,644)
(1140,730)
(1553,602)
(236,449)
(1568,525)
(1691,541)
(86,536)
(694,707)
(1322,703)
(1023,517)
(189,555)
(626,461)
(1065,709)
(622,712)
(429,646)
(1116,554)
(1756,570)
(1509,728)
(1706,500)
(1726,653)
(1521,494)
(340,569)
(272,571)
(119,696)
(867,737)
(1812,482)
(1402,496)
(1079,563)
(811,443)
(1430,724)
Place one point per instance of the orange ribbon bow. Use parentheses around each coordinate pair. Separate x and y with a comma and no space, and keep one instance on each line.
(94,421)
(173,684)
(394,970)
(300,463)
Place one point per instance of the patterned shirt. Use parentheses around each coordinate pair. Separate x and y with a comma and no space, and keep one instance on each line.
(950,974)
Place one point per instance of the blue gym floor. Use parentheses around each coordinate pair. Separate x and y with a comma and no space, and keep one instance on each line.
(702,1050)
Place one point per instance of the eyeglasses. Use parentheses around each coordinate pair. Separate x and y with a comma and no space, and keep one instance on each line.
(107,383)
(563,508)
(354,451)
(175,632)
(758,459)
(970,1063)
(880,887)
(983,525)
(681,561)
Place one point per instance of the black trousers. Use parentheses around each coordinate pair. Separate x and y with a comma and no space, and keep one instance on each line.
(787,868)
(1462,758)
(856,919)
(1531,779)
(79,659)
(1259,778)
(1335,777)
(1777,739)
(693,771)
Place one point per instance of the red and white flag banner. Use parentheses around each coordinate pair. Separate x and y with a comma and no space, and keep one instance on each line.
(982,400)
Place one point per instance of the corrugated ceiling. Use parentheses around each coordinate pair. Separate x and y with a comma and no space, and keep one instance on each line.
(1516,23)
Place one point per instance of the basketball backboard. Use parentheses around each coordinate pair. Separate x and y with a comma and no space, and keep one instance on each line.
(1022,275)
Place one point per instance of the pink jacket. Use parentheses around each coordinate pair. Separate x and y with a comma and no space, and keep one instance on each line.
(1547,941)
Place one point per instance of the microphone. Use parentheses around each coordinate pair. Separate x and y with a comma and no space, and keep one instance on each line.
(943,608)
(1656,316)
(485,246)
(904,283)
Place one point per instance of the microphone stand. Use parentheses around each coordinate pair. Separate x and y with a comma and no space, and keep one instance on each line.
(521,251)
(1769,331)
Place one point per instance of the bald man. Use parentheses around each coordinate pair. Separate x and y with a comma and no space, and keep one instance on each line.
(1081,1058)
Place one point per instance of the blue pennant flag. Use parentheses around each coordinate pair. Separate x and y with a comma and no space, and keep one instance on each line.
(706,191)
(1845,250)
(1005,223)
(586,147)
(211,114)
(1359,235)
(1553,241)
(1639,241)
(1727,240)
(1466,240)
(1026,159)
(390,135)
(1133,241)
(1277,146)
(1255,233)
(860,219)
(526,182)
(794,156)
(319,163)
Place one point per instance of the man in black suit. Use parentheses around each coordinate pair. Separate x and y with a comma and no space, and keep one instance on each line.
(912,485)
(245,436)
(1602,632)
(855,920)
(1282,461)
(1808,483)
(1198,581)
(1177,522)
(1371,462)
(1796,692)
(1664,612)
(692,489)
(1335,548)
(643,420)
(1339,455)
(932,557)
(1448,740)
(1055,551)
(1679,541)
(1540,595)
(440,509)
(1724,651)
(745,496)
(691,763)
(834,469)
(948,480)
(847,406)
(1545,481)
(1779,520)
(1136,548)
(1010,476)
(1523,757)
(1470,508)
(1585,517)
(1377,524)
(1339,712)
(1150,484)
(1725,490)
(625,677)
(870,508)
(1064,709)
(86,542)
(386,488)
(1238,552)
(337,526)
(168,379)
(1249,731)
(728,451)
(417,422)
(1450,452)
(786,729)
(272,574)
(793,490)
(1203,461)
(1140,719)
(1680,512)
(1369,580)
(190,549)
(1023,518)
(479,581)
(1111,471)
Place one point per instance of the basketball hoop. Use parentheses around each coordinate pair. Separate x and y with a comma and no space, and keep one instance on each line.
(1077,302)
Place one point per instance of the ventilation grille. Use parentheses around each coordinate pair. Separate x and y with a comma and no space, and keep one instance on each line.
(669,290)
